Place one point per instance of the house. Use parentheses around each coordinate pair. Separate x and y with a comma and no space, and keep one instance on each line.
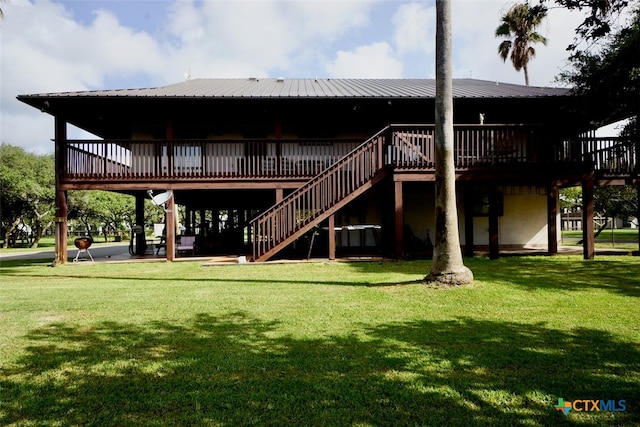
(263,166)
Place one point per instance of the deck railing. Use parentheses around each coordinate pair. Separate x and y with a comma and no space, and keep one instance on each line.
(406,147)
(309,204)
(412,147)
(143,160)
(610,156)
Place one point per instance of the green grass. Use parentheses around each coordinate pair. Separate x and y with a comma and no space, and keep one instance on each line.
(619,233)
(624,238)
(330,344)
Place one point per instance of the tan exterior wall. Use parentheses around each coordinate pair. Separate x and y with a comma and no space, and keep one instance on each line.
(419,211)
(524,223)
(525,220)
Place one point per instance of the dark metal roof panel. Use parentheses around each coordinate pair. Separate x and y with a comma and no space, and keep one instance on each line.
(319,88)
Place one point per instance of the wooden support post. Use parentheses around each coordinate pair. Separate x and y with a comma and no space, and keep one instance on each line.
(140,237)
(399,219)
(638,211)
(203,221)
(332,236)
(279,195)
(242,223)
(61,226)
(468,221)
(188,217)
(588,239)
(215,221)
(552,219)
(171,227)
(494,236)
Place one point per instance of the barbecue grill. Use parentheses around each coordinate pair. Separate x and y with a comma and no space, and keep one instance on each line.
(83,244)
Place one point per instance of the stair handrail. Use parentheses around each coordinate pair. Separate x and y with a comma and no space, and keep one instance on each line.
(290,225)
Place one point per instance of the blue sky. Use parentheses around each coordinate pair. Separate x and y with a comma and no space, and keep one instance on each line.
(52,46)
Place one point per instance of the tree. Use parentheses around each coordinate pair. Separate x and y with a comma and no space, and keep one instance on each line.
(610,201)
(82,208)
(616,201)
(26,193)
(108,210)
(518,26)
(607,81)
(598,22)
(42,201)
(114,210)
(447,267)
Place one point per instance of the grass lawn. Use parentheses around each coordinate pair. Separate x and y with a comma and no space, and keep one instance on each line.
(619,238)
(331,344)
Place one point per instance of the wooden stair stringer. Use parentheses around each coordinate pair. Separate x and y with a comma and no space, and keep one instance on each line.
(379,176)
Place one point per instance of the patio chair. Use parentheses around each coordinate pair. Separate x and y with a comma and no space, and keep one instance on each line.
(187,244)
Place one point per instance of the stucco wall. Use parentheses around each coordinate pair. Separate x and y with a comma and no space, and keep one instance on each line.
(524,222)
(525,219)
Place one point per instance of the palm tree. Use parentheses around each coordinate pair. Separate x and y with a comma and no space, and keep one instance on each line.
(518,26)
(447,267)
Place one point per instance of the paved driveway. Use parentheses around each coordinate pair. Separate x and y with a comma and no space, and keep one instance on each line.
(99,251)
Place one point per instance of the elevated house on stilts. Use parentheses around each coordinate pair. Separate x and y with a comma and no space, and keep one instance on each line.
(332,167)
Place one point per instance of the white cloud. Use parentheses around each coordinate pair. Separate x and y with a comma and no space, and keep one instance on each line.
(27,128)
(231,39)
(475,47)
(372,61)
(45,48)
(414,25)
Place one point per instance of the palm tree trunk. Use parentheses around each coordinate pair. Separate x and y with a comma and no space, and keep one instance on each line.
(447,266)
(526,74)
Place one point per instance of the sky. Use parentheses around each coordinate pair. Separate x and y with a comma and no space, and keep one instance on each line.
(72,45)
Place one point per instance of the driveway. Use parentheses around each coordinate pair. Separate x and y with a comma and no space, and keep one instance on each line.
(99,251)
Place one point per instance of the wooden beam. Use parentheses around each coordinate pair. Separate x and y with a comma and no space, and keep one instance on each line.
(332,236)
(61,226)
(399,218)
(203,221)
(588,239)
(171,227)
(61,229)
(184,184)
(140,237)
(552,218)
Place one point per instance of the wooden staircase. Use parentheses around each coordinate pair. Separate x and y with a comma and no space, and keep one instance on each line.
(409,148)
(319,198)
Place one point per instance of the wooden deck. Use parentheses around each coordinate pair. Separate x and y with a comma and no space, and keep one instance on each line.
(404,148)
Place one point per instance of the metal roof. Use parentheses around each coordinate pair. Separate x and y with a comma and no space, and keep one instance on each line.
(318,88)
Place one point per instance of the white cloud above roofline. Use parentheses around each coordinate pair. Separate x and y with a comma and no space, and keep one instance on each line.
(53,46)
